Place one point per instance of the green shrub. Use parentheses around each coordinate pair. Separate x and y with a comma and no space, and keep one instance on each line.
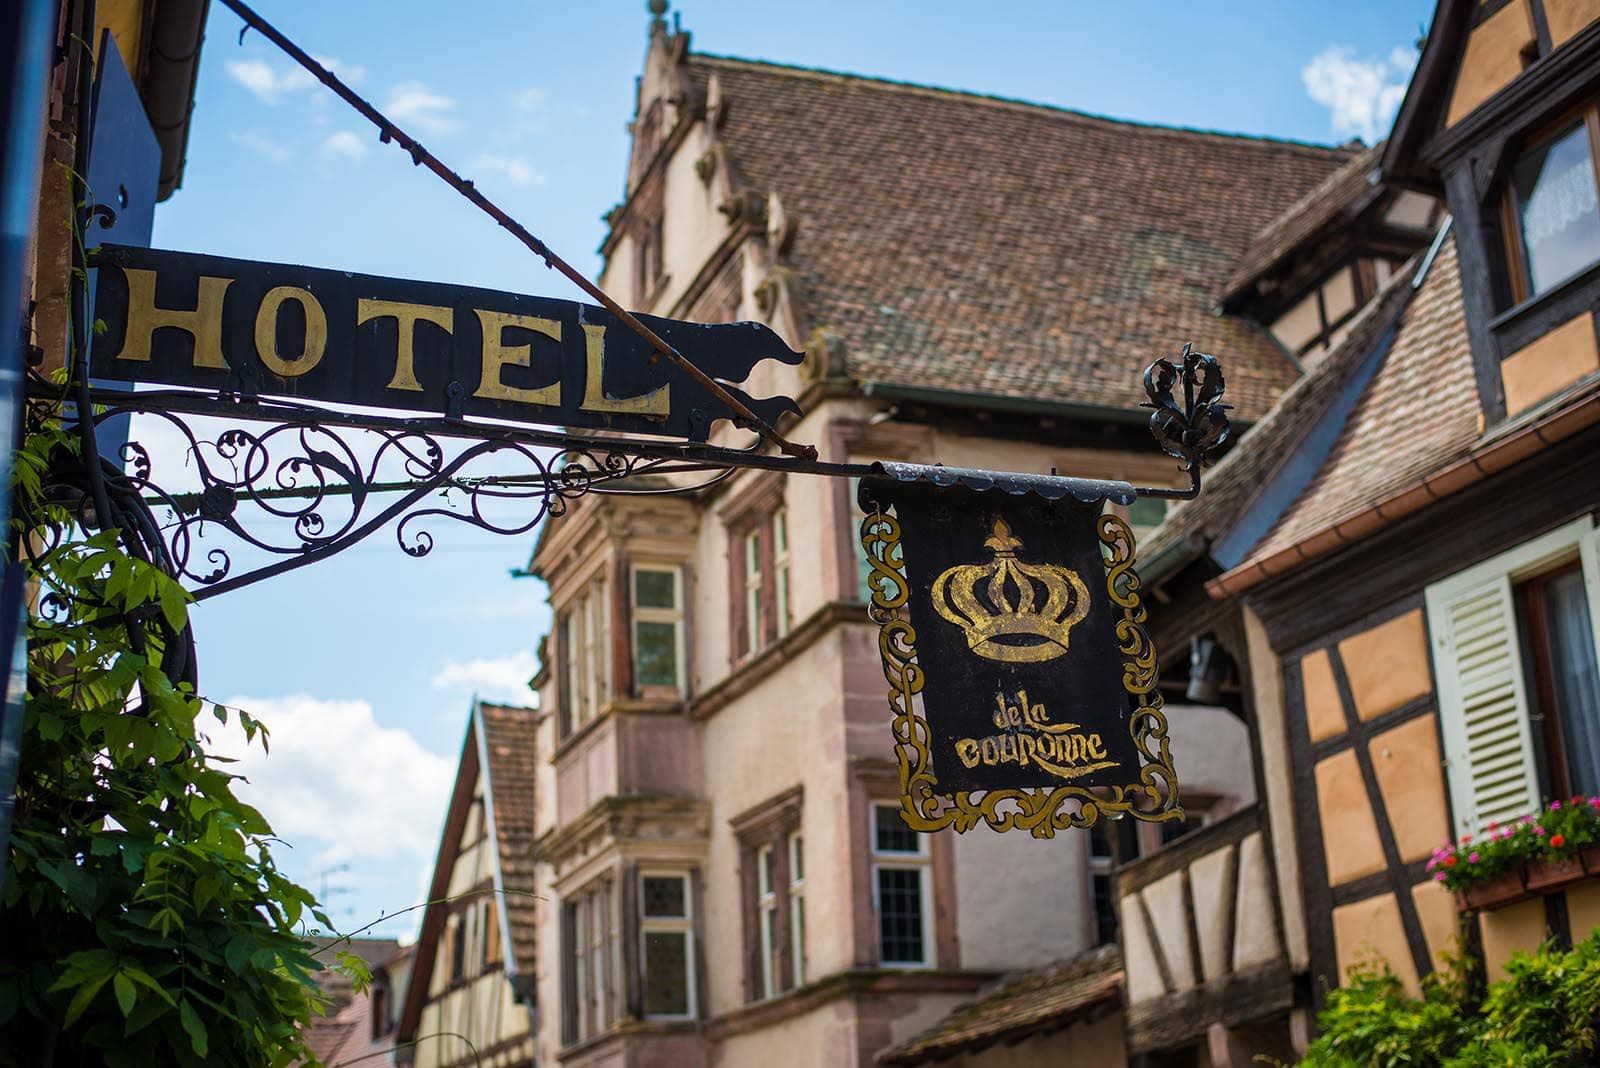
(1544,1014)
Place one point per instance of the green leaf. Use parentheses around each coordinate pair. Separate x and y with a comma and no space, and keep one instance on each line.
(80,1001)
(238,952)
(123,987)
(193,1027)
(174,604)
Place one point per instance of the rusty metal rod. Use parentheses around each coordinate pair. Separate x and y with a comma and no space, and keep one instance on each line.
(420,156)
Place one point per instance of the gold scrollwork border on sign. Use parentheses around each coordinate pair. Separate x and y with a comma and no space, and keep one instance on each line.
(1043,810)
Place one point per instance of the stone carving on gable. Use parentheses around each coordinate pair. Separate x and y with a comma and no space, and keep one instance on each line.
(780,227)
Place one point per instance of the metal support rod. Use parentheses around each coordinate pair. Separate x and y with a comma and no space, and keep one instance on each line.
(694,457)
(389,131)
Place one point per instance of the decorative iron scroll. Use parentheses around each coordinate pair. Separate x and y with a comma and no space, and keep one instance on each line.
(302,486)
(1151,794)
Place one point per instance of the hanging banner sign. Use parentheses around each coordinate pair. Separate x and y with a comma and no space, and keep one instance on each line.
(1017,621)
(268,329)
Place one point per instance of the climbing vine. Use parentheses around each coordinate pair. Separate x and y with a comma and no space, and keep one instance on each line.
(143,920)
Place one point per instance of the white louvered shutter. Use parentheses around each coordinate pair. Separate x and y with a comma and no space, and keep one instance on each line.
(1483,703)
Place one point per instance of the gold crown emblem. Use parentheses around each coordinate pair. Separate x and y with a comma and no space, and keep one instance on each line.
(1011,610)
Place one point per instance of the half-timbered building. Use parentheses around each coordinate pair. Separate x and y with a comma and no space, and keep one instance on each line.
(1399,563)
(468,1000)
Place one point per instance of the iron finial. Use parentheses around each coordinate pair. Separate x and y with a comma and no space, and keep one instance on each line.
(658,11)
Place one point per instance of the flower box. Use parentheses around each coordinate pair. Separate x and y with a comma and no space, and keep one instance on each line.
(1590,855)
(1503,888)
(1551,874)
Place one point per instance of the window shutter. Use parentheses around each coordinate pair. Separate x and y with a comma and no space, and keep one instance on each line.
(1483,703)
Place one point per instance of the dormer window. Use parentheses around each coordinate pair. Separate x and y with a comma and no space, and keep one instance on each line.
(1553,208)
(1316,322)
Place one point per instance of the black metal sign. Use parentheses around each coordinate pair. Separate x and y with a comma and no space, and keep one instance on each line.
(1016,618)
(266,329)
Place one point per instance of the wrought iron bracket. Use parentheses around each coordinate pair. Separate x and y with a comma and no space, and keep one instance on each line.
(292,483)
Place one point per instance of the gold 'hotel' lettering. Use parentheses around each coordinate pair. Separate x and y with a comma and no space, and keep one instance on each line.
(204,325)
(316,341)
(405,316)
(1028,737)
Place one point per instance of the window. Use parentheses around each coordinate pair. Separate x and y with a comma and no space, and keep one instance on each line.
(458,947)
(762,582)
(589,966)
(667,946)
(650,263)
(1102,862)
(797,908)
(780,569)
(900,889)
(1554,214)
(382,1011)
(1565,692)
(657,629)
(771,859)
(1515,665)
(767,905)
(754,618)
(583,631)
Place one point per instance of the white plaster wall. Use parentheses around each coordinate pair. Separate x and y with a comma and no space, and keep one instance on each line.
(1021,902)
(784,732)
(1211,754)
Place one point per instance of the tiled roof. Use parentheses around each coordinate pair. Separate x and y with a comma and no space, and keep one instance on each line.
(1323,205)
(1419,413)
(987,246)
(1022,1005)
(1243,474)
(509,743)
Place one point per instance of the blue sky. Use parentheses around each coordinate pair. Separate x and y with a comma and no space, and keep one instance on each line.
(363,665)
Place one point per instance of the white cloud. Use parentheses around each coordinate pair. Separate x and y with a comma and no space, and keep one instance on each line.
(502,678)
(416,103)
(530,99)
(344,143)
(1361,95)
(517,170)
(336,783)
(276,151)
(269,82)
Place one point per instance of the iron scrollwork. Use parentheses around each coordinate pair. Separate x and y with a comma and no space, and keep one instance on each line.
(302,488)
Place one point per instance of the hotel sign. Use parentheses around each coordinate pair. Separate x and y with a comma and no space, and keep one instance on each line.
(1015,623)
(301,333)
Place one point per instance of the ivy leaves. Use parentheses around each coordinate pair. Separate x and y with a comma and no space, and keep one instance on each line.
(144,920)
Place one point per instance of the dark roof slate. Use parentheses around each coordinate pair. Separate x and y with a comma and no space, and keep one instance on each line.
(510,739)
(1000,248)
(1327,204)
(1234,484)
(1019,1006)
(1419,413)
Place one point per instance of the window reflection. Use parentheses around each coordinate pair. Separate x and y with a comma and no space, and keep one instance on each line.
(1557,215)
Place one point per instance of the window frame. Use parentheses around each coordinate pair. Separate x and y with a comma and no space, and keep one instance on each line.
(782,609)
(794,842)
(583,627)
(1516,258)
(653,614)
(920,862)
(767,919)
(1535,558)
(669,925)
